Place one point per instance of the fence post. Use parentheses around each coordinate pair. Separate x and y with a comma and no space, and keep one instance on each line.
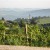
(26,34)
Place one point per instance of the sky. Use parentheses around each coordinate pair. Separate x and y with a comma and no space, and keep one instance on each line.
(24,3)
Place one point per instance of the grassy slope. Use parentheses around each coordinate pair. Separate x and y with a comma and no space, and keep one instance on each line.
(44,20)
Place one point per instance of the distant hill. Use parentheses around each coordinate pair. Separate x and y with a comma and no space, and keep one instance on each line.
(42,12)
(12,14)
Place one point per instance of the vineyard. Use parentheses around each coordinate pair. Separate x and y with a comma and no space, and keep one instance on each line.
(17,33)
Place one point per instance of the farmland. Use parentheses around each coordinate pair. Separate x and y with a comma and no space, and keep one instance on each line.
(24,32)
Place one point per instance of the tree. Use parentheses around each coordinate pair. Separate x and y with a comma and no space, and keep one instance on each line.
(3,19)
(33,21)
(22,23)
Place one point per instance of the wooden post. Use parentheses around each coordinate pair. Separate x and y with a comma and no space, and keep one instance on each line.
(26,34)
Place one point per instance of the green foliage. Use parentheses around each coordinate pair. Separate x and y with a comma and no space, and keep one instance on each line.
(16,35)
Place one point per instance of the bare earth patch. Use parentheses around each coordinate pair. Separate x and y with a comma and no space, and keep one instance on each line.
(8,47)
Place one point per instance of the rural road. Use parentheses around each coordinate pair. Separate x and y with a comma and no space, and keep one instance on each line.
(7,47)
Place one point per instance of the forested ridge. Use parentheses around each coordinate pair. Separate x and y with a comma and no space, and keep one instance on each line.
(25,32)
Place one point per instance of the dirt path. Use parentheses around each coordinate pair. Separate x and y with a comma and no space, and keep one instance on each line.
(7,47)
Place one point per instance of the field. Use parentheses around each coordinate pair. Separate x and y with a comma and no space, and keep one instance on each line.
(7,47)
(44,20)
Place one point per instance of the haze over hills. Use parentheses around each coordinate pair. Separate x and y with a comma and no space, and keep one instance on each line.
(11,14)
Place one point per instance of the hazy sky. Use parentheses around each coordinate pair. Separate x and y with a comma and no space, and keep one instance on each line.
(24,3)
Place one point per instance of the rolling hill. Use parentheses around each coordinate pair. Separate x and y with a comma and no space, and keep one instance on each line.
(11,14)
